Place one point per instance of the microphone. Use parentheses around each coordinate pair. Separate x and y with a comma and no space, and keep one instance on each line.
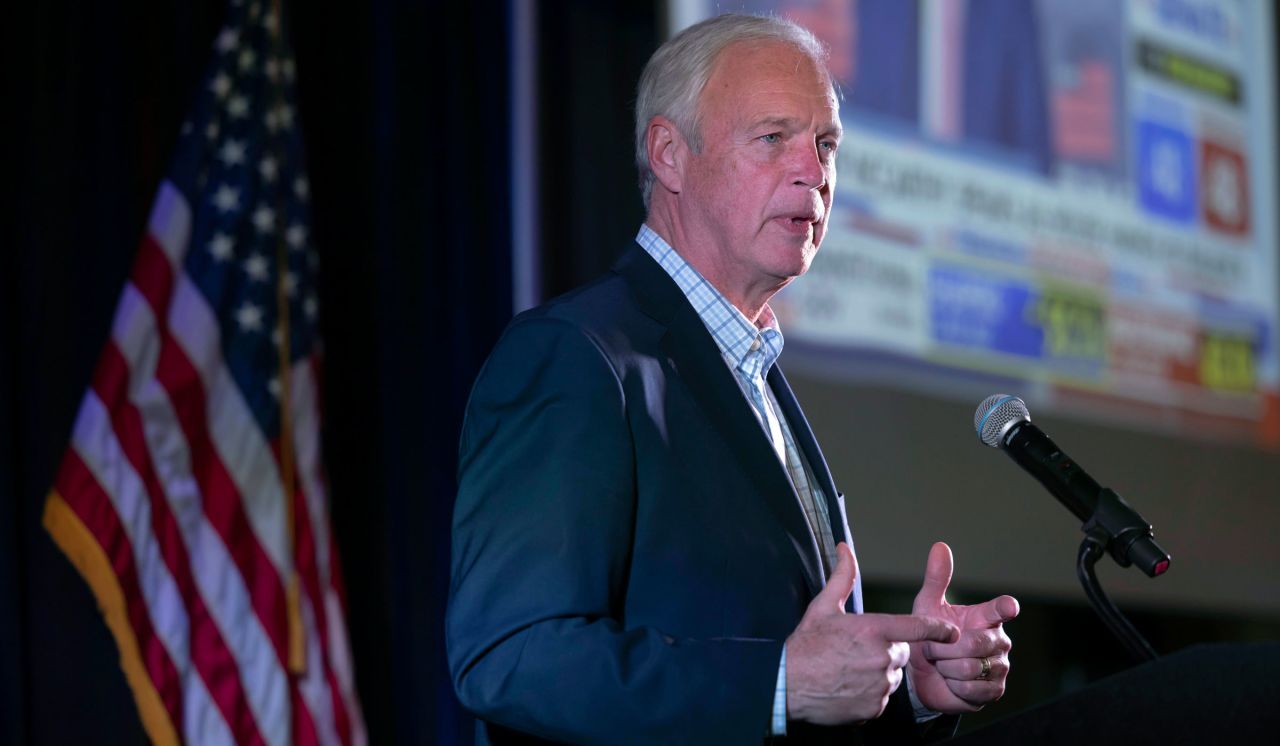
(1002,421)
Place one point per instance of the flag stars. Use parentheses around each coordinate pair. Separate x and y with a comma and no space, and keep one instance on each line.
(249,317)
(279,117)
(257,268)
(227,40)
(296,236)
(211,132)
(238,107)
(284,114)
(221,85)
(273,386)
(246,60)
(301,188)
(269,23)
(290,284)
(287,68)
(272,69)
(310,307)
(232,153)
(226,198)
(221,247)
(264,219)
(268,169)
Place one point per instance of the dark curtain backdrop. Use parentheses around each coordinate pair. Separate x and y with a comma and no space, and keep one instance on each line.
(405,111)
(590,56)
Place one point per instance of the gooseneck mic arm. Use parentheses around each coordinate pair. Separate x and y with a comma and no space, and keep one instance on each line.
(1090,550)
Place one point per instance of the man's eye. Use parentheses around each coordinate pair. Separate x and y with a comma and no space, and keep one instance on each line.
(772,138)
(829,145)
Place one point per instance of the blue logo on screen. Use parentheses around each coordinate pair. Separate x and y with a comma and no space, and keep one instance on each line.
(1166,172)
(1205,20)
(970,309)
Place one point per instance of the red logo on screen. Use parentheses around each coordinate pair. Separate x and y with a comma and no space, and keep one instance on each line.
(1224,187)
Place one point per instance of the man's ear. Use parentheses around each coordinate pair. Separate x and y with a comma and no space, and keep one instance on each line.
(668,153)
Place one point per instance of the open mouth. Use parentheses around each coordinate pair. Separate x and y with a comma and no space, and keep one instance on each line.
(797,223)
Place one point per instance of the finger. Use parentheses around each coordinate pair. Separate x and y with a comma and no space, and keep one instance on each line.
(1008,608)
(937,576)
(913,628)
(899,654)
(976,693)
(998,610)
(896,676)
(832,598)
(960,669)
(970,669)
(973,643)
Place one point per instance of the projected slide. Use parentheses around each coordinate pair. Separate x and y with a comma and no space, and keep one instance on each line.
(1075,197)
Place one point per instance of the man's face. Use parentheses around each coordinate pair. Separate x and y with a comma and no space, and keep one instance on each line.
(760,190)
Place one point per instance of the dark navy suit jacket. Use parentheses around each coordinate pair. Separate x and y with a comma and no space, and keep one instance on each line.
(628,553)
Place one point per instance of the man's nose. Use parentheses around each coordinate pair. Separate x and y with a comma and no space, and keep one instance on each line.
(807,167)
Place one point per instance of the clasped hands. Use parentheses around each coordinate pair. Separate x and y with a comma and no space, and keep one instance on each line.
(841,668)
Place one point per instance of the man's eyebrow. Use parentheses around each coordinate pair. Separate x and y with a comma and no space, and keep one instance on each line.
(791,123)
(785,123)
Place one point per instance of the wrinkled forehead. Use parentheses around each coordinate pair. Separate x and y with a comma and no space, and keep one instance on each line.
(746,67)
(748,72)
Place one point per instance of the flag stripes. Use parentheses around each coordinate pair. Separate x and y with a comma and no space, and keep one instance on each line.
(83,549)
(211,656)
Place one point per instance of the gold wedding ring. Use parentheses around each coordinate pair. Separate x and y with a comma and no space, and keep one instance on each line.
(986,669)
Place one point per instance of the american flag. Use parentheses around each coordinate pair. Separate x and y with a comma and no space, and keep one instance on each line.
(1083,113)
(192,497)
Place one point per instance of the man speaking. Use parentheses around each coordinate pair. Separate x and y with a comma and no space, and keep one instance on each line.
(648,546)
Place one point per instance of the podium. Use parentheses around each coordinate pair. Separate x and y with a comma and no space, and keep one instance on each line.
(1205,694)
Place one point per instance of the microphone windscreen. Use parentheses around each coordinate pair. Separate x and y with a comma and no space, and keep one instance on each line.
(995,414)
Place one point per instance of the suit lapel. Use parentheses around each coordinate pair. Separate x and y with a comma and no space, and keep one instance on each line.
(808,444)
(804,438)
(698,362)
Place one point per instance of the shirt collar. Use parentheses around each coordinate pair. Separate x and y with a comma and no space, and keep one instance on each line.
(750,348)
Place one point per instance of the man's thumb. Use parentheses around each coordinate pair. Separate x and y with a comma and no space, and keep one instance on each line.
(937,576)
(840,584)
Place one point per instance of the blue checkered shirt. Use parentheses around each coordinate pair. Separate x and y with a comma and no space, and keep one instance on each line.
(750,350)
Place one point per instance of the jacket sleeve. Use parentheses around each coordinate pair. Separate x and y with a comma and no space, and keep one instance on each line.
(542,540)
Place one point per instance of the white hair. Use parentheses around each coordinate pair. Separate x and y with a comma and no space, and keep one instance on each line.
(675,75)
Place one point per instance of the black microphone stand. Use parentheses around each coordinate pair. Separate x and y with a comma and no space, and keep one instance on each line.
(1091,549)
(1116,528)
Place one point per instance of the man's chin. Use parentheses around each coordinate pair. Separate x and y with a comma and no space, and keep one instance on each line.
(788,260)
(792,270)
(806,258)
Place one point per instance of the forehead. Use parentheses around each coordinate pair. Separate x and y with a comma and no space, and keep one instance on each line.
(753,78)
